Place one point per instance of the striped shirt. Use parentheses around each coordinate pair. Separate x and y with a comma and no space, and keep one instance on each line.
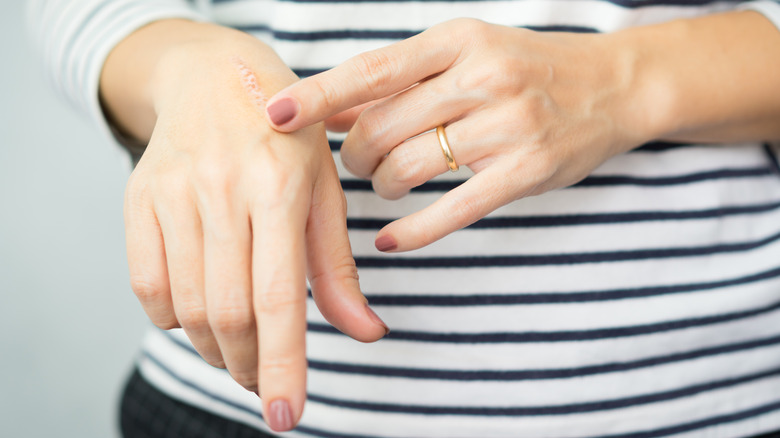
(643,301)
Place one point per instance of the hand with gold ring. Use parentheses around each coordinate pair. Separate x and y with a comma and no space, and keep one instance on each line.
(530,112)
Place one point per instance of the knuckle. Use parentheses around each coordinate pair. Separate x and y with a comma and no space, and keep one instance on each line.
(370,129)
(147,291)
(232,320)
(465,27)
(537,110)
(500,77)
(375,70)
(471,25)
(253,388)
(216,361)
(329,96)
(194,318)
(505,67)
(213,179)
(166,324)
(171,185)
(404,168)
(340,204)
(459,24)
(220,230)
(278,364)
(136,196)
(247,379)
(470,210)
(329,198)
(344,269)
(137,186)
(279,299)
(547,166)
(278,187)
(504,72)
(348,158)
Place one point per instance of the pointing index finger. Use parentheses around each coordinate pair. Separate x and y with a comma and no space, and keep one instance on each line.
(369,76)
(278,280)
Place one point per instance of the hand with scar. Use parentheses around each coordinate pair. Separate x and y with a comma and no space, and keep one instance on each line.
(225,217)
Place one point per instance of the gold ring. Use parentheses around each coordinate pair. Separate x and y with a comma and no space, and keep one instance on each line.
(445,148)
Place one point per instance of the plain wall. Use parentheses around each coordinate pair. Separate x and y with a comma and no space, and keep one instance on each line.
(69,324)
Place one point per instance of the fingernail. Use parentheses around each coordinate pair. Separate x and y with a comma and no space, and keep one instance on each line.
(282,111)
(376,318)
(280,415)
(386,243)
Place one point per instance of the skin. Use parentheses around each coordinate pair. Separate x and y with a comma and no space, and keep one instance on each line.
(226,218)
(532,112)
(227,213)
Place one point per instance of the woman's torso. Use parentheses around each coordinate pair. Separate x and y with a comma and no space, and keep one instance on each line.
(644,301)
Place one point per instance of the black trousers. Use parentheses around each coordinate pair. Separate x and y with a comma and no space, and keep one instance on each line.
(145,412)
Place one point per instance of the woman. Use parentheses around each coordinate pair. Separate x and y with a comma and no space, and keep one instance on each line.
(642,300)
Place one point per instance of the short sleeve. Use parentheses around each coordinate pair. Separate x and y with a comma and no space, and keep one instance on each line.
(74,38)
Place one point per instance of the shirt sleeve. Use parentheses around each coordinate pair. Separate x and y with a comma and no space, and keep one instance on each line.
(770,9)
(73,39)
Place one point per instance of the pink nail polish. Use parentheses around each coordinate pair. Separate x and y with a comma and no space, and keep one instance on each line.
(282,111)
(386,243)
(279,415)
(374,317)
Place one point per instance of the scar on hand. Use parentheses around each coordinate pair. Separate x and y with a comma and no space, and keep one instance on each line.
(249,82)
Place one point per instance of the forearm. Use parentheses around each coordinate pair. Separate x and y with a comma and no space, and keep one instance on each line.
(150,64)
(711,79)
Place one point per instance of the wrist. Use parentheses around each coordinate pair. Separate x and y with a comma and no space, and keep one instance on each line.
(216,53)
(706,79)
(158,66)
(645,99)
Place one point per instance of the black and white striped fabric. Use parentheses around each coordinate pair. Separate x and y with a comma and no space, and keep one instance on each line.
(642,302)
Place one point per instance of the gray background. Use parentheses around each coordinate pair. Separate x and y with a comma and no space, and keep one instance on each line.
(69,324)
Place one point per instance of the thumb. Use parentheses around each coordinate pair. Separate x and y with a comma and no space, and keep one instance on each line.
(332,271)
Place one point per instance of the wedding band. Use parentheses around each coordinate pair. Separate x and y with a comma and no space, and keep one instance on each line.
(445,148)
